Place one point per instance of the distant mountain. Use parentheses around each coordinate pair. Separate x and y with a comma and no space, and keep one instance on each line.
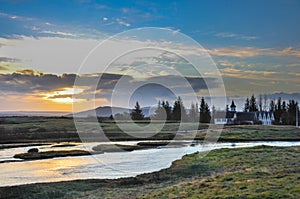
(106,111)
(32,113)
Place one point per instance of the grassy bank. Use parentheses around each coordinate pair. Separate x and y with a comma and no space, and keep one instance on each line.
(259,172)
(50,154)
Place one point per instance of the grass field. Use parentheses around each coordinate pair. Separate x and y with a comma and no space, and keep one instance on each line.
(259,172)
(42,129)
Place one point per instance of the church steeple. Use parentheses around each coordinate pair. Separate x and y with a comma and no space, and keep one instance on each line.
(232,107)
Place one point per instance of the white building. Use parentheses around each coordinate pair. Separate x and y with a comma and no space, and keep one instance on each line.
(265,117)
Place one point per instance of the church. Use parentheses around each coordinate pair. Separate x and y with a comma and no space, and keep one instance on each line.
(231,116)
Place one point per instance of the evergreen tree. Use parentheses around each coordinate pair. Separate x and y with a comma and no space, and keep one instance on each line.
(253,106)
(292,107)
(260,103)
(272,106)
(247,105)
(160,113)
(278,112)
(179,112)
(137,113)
(168,110)
(193,113)
(204,112)
(284,113)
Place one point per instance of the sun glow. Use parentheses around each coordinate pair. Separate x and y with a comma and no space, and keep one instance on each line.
(64,96)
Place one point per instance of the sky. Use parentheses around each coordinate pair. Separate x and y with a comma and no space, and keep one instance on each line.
(250,47)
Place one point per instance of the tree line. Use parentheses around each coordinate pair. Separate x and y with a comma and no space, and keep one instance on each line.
(284,112)
(177,112)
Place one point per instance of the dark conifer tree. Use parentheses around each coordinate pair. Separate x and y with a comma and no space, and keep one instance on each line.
(272,106)
(292,108)
(179,112)
(253,105)
(247,105)
(278,112)
(168,109)
(260,103)
(204,112)
(137,113)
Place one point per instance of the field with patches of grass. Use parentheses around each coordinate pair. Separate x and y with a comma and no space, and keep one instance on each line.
(258,172)
(258,133)
(43,129)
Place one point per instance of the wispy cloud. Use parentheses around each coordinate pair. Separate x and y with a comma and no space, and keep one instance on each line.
(123,23)
(15,17)
(290,51)
(58,33)
(101,7)
(235,36)
(246,52)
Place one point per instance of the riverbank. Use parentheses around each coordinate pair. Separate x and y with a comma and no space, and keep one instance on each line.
(260,172)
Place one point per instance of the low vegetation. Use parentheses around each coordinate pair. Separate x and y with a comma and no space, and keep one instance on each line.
(43,130)
(49,154)
(118,147)
(258,172)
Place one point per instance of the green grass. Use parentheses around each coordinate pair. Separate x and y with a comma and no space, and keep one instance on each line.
(43,129)
(258,172)
(259,132)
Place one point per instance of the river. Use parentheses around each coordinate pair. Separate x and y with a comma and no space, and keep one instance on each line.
(100,166)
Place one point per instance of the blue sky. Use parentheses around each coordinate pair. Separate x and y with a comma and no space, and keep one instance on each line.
(255,44)
(259,23)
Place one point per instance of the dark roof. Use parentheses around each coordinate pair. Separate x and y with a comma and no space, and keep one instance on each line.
(232,104)
(246,116)
(223,114)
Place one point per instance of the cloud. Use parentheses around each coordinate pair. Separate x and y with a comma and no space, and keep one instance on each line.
(3,68)
(240,52)
(49,24)
(123,23)
(235,36)
(290,51)
(29,82)
(58,33)
(48,54)
(246,52)
(15,17)
(60,96)
(101,7)
(8,59)
(285,80)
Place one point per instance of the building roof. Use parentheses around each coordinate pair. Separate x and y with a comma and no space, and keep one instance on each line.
(232,105)
(224,114)
(246,116)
